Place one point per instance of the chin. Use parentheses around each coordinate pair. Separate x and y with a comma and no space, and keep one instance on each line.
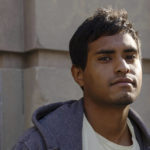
(124,100)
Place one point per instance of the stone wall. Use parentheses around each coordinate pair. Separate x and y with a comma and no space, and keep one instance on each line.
(34,59)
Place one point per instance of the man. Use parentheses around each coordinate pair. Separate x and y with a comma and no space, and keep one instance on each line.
(106,57)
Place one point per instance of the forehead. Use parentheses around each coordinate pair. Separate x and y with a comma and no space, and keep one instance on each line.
(117,41)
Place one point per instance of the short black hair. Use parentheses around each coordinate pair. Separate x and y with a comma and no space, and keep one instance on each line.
(105,21)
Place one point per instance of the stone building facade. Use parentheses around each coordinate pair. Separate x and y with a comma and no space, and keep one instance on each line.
(34,59)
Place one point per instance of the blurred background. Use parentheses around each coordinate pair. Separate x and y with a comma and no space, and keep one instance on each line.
(34,59)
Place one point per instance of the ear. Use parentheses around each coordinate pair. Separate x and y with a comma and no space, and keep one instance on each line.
(77,74)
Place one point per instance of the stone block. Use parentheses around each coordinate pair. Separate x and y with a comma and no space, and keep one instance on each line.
(11,102)
(12,25)
(45,85)
(47,79)
(50,24)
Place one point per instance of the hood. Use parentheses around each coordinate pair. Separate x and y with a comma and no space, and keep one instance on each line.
(60,123)
(140,129)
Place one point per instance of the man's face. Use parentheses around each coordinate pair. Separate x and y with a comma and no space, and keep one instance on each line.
(113,74)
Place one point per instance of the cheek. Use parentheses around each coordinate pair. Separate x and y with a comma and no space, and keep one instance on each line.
(138,69)
(139,76)
(101,78)
(93,79)
(138,73)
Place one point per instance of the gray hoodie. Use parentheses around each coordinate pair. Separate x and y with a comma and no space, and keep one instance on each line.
(58,126)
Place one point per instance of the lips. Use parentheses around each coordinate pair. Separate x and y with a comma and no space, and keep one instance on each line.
(123,81)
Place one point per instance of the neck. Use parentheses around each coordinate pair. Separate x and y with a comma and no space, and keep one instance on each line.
(110,122)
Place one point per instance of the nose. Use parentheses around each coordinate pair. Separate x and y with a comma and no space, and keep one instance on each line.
(122,67)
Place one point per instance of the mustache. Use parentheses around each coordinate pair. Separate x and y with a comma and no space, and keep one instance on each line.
(124,79)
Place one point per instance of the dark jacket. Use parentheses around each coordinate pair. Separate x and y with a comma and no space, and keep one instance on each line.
(59,127)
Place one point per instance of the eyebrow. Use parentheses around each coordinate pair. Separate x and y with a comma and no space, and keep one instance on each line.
(129,50)
(105,52)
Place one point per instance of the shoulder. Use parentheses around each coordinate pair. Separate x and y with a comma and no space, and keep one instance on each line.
(50,121)
(54,111)
(141,131)
(31,140)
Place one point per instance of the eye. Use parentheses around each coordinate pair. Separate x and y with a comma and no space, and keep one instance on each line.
(105,59)
(130,57)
